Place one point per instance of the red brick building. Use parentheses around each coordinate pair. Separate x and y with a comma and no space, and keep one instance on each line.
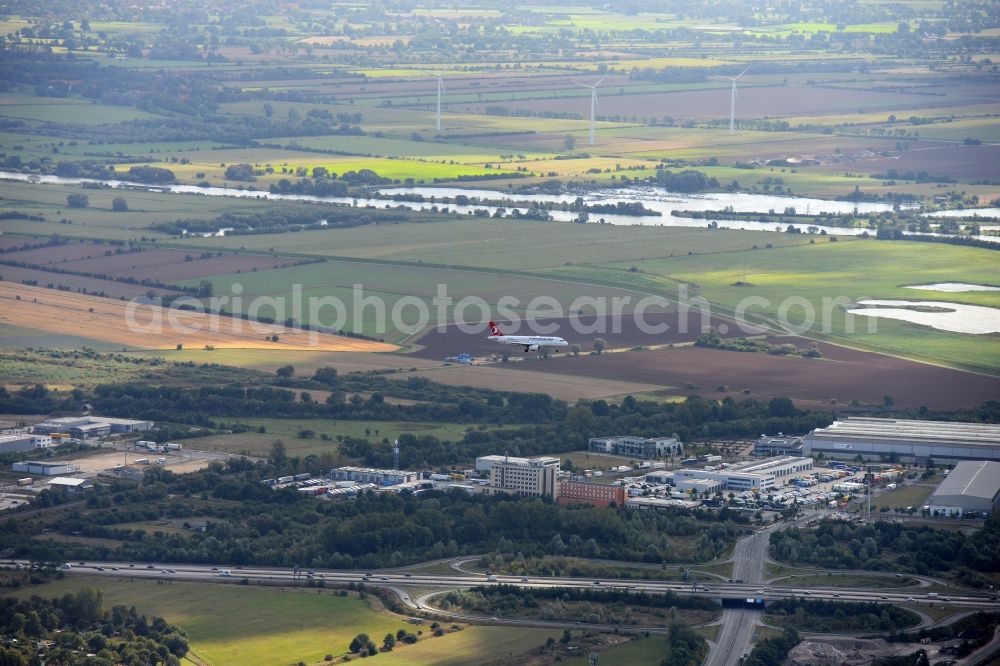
(584,492)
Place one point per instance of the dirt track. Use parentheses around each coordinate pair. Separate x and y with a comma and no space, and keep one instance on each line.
(154,327)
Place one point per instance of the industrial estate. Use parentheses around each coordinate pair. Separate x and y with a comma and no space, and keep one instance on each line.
(654,334)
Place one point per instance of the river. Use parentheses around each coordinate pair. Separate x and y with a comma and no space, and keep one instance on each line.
(652,198)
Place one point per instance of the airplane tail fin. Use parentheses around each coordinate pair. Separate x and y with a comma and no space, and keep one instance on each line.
(494,329)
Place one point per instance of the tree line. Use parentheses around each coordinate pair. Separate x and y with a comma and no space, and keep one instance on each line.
(58,630)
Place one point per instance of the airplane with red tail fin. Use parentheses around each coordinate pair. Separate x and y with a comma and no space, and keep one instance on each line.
(529,342)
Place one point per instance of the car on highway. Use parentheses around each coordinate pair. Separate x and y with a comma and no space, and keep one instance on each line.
(82,564)
(909,598)
(383,578)
(151,566)
(884,598)
(597,582)
(366,579)
(100,568)
(524,580)
(408,575)
(837,595)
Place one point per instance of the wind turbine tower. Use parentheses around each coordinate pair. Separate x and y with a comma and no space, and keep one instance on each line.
(395,454)
(440,92)
(593,105)
(732,104)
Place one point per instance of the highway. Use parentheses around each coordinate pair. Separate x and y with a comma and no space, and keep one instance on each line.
(396,579)
(737,624)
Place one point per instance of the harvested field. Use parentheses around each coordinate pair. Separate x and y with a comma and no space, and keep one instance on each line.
(843,374)
(154,327)
(161,265)
(937,158)
(96,286)
(625,333)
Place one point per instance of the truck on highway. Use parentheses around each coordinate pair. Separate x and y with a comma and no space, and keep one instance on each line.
(492,578)
(172,446)
(26,481)
(146,444)
(932,595)
(225,572)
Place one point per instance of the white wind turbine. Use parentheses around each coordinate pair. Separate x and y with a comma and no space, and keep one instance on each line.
(593,104)
(440,92)
(732,103)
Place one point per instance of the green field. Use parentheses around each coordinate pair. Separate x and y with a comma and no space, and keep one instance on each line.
(259,444)
(398,288)
(639,652)
(854,270)
(231,624)
(524,245)
(910,495)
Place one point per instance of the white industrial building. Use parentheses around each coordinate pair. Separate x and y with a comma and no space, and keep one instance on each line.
(972,486)
(917,441)
(24,441)
(637,447)
(71,484)
(704,487)
(379,477)
(91,426)
(751,475)
(43,468)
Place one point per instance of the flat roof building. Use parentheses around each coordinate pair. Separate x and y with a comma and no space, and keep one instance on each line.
(750,475)
(24,442)
(703,487)
(637,447)
(778,446)
(43,468)
(529,477)
(970,486)
(91,426)
(903,439)
(585,492)
(379,477)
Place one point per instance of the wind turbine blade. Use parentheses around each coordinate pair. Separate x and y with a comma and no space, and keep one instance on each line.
(742,73)
(599,82)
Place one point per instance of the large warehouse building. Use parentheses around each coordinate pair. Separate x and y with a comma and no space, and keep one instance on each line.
(750,475)
(973,486)
(875,439)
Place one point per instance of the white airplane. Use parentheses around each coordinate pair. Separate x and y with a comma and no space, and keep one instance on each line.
(529,342)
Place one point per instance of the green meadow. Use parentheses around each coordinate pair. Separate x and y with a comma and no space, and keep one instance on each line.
(255,626)
(851,270)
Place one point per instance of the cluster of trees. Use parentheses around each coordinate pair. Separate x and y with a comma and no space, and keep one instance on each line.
(688,180)
(975,631)
(713,340)
(887,546)
(57,631)
(280,219)
(772,651)
(509,599)
(831,616)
